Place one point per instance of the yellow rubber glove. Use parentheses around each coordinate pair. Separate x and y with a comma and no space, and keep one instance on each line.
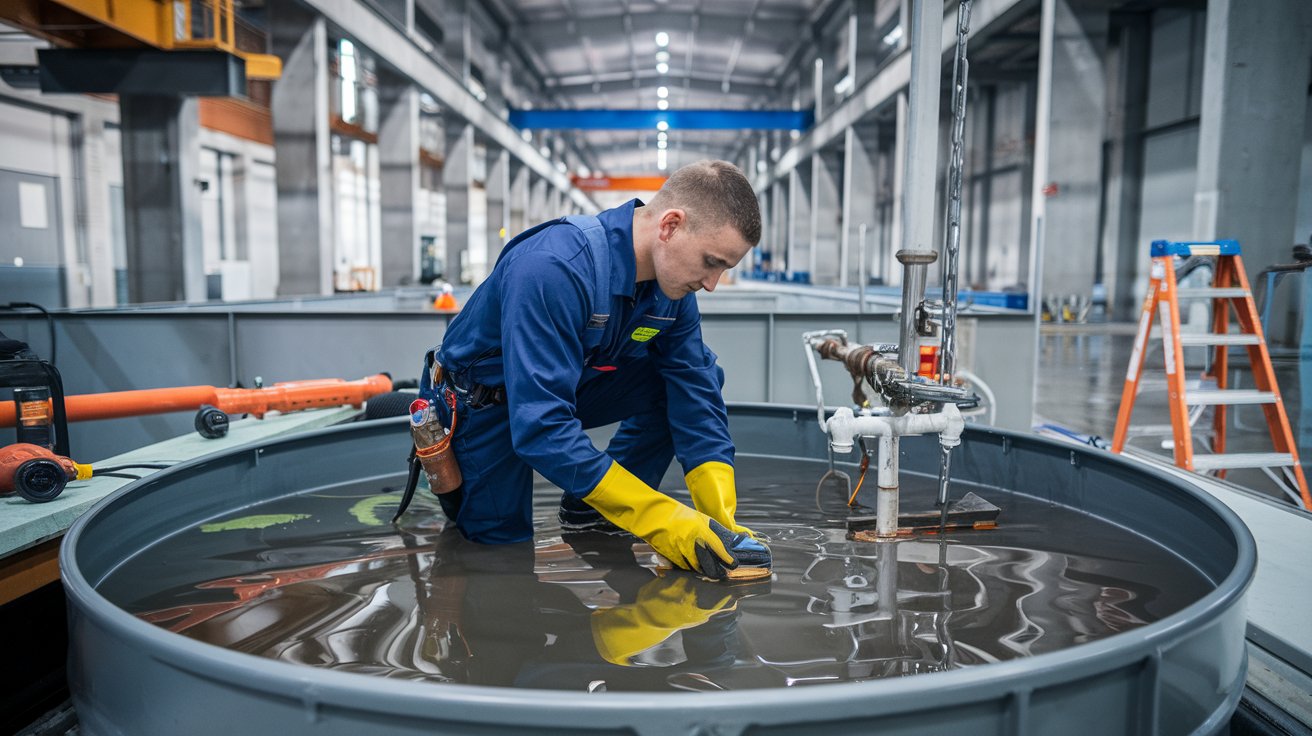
(672,529)
(664,605)
(713,493)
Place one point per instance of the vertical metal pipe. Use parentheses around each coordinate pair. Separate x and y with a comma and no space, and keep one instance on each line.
(886,580)
(915,270)
(920,162)
(862,276)
(886,495)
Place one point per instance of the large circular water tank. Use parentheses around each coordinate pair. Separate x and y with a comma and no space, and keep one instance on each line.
(1182,673)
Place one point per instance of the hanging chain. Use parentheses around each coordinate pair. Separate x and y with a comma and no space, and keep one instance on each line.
(947,355)
(952,223)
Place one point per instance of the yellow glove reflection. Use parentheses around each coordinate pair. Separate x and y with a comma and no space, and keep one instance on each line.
(664,605)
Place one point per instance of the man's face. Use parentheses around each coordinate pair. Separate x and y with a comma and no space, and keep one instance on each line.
(687,260)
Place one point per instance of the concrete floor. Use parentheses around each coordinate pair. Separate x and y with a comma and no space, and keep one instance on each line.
(1082,372)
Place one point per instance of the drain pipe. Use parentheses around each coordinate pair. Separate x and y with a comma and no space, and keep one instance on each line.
(844,428)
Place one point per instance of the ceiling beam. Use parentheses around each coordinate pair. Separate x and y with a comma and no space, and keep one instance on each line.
(555,33)
(651,119)
(608,82)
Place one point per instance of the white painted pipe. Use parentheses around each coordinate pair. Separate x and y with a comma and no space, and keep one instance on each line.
(844,427)
(886,496)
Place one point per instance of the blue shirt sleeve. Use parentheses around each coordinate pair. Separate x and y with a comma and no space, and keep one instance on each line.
(545,306)
(699,423)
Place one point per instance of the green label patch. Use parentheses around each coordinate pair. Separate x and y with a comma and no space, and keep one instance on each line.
(643,334)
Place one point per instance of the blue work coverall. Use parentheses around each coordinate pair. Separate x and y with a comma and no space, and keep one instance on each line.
(535,327)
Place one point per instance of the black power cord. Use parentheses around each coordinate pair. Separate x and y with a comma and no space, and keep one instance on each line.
(97,470)
(50,322)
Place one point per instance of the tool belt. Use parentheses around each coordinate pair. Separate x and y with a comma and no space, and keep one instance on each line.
(474,395)
(479,395)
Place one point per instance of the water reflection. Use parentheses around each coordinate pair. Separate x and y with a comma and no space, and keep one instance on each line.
(593,612)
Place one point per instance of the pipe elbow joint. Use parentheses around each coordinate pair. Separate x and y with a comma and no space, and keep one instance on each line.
(950,436)
(841,428)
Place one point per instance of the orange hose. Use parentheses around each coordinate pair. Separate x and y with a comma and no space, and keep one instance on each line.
(865,465)
(284,397)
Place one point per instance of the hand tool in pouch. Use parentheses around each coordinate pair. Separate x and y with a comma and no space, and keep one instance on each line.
(431,452)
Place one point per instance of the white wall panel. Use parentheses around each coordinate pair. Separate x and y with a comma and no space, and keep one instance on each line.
(28,142)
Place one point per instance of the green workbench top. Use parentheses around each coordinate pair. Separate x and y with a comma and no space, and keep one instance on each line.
(24,524)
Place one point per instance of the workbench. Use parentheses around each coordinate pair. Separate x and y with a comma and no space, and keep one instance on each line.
(30,533)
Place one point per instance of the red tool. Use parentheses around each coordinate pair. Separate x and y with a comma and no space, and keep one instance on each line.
(37,474)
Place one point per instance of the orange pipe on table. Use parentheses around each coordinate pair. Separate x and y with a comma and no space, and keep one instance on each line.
(284,397)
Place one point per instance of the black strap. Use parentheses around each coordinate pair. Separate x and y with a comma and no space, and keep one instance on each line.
(411,483)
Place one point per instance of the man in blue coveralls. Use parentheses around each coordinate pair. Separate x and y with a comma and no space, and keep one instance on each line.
(586,321)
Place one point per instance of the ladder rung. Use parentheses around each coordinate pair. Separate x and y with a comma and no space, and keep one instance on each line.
(1151,429)
(1204,463)
(1210,293)
(1217,397)
(1208,338)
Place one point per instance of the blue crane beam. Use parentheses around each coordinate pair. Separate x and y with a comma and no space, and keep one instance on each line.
(674,119)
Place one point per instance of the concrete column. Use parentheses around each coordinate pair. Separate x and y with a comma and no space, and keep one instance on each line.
(826,178)
(454,15)
(555,203)
(498,206)
(1068,150)
(861,41)
(799,219)
(96,210)
(398,158)
(301,145)
(887,236)
(1250,135)
(858,206)
(255,194)
(456,180)
(537,200)
(1127,104)
(899,181)
(162,199)
(779,226)
(519,196)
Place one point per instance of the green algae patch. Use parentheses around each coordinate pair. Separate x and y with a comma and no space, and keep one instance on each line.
(259,521)
(365,510)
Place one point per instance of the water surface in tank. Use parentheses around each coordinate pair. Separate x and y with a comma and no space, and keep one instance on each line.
(321,579)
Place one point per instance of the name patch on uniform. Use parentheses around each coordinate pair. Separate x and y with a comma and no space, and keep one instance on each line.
(643,334)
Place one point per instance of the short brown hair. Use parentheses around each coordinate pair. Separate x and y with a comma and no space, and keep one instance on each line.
(713,193)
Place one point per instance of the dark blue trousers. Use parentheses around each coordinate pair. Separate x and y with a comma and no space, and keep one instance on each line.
(496,505)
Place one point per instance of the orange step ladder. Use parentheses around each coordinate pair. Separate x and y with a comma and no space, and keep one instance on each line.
(1229,289)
